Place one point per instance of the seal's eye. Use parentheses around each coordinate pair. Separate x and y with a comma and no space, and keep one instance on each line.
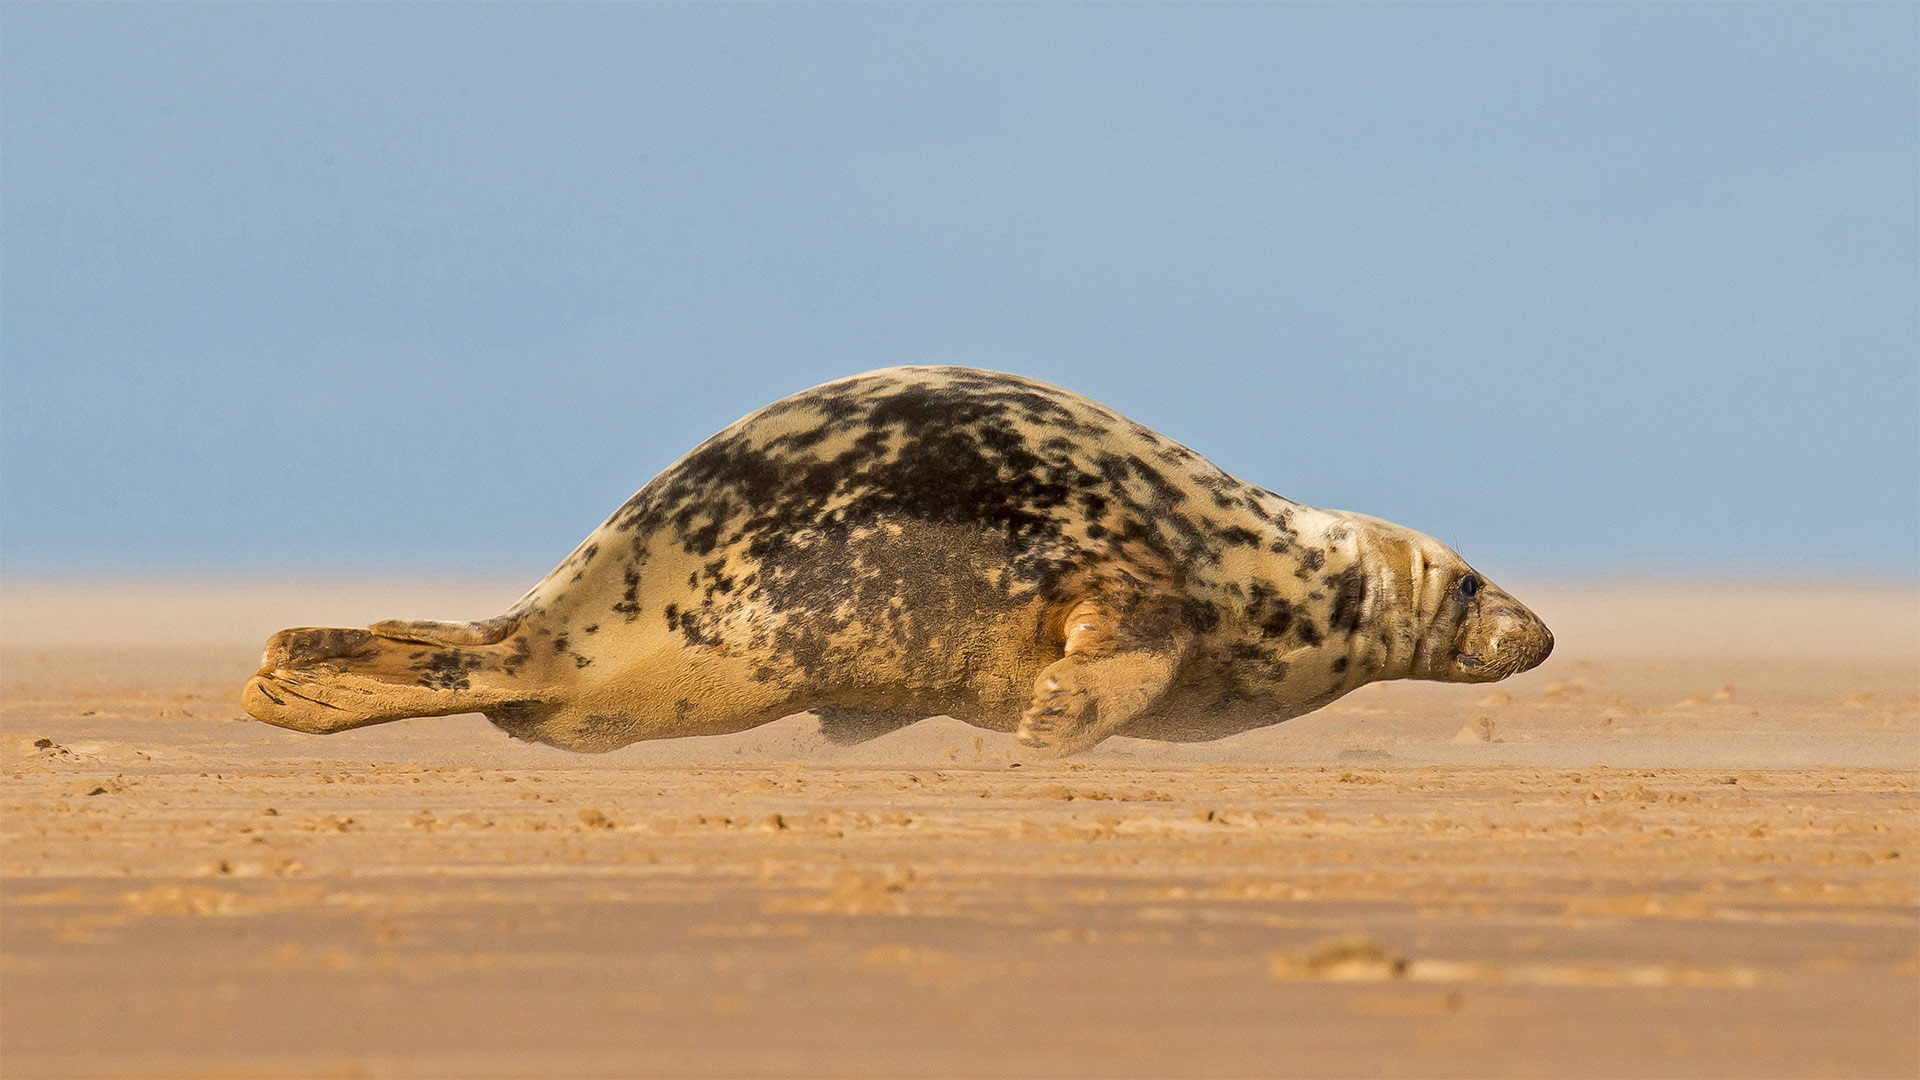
(1469,586)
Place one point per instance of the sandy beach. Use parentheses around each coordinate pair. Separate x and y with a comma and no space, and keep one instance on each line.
(1688,845)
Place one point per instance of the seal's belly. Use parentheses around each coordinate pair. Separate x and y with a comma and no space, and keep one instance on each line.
(938,616)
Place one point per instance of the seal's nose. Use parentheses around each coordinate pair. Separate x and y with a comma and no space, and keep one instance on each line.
(1528,638)
(1516,640)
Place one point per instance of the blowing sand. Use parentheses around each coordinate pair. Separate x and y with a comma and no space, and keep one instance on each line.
(1686,846)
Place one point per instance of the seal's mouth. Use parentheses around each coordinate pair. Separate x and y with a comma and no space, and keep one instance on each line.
(1472,668)
(1508,652)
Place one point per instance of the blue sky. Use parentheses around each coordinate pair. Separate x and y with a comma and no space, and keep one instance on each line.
(1586,291)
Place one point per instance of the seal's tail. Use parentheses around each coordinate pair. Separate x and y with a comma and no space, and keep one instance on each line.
(326,679)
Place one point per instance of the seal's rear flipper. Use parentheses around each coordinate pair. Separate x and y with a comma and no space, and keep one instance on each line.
(327,679)
(432,632)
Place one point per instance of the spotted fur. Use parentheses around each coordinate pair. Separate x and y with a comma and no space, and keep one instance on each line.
(917,541)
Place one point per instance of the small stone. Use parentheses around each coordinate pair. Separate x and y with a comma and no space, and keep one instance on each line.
(1349,959)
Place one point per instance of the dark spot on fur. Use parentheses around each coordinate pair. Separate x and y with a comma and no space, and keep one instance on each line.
(703,540)
(522,719)
(1349,600)
(1200,615)
(519,655)
(447,670)
(629,605)
(806,440)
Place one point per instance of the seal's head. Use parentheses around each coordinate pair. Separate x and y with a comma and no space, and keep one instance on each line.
(1463,628)
(1478,633)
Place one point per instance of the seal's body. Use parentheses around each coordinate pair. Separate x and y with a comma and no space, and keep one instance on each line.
(923,541)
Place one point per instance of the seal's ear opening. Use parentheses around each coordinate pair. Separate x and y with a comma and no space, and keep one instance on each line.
(322,680)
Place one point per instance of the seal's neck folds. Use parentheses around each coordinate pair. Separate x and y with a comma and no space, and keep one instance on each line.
(1383,587)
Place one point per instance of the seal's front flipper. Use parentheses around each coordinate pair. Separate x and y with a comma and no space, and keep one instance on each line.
(326,679)
(1119,660)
